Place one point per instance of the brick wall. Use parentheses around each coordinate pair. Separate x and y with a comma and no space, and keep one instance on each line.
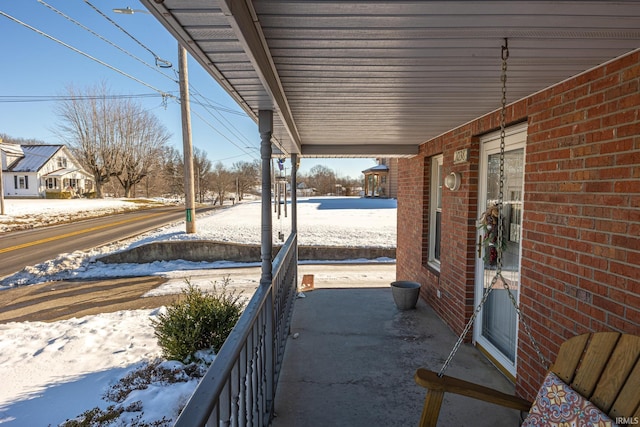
(581,224)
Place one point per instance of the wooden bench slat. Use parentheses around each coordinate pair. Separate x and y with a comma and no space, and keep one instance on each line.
(615,374)
(595,358)
(629,397)
(569,356)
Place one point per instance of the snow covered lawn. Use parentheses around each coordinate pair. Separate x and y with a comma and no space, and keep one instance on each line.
(51,372)
(29,213)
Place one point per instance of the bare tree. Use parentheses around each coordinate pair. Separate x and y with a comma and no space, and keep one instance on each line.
(20,141)
(247,176)
(110,136)
(221,180)
(87,129)
(141,139)
(202,167)
(172,172)
(323,179)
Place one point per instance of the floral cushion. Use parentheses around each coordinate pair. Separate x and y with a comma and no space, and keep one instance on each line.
(558,405)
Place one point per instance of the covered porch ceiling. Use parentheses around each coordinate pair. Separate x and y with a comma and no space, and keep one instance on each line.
(365,78)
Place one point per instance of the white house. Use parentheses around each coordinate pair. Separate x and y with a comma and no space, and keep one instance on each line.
(35,170)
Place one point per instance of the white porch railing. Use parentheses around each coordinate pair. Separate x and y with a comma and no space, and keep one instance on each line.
(239,387)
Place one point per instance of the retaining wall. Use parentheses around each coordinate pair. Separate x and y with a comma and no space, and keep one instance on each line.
(199,250)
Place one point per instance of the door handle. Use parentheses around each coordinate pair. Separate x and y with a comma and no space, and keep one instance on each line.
(479,246)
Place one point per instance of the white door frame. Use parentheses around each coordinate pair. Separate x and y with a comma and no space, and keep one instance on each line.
(515,138)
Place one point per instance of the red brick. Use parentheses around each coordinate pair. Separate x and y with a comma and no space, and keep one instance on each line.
(600,161)
(609,305)
(632,129)
(631,186)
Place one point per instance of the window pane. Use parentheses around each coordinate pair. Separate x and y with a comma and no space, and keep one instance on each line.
(436,249)
(439,180)
(435,210)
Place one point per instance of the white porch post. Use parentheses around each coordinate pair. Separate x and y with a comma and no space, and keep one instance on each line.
(265,126)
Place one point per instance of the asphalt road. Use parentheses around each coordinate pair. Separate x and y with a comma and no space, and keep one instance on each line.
(21,248)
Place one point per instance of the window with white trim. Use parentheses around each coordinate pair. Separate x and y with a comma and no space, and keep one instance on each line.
(21,182)
(51,183)
(435,211)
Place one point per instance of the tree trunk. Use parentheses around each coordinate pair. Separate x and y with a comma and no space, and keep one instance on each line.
(99,194)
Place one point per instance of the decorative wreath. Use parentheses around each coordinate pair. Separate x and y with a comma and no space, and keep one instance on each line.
(489,225)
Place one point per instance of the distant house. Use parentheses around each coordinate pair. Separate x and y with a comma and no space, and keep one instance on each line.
(38,171)
(382,180)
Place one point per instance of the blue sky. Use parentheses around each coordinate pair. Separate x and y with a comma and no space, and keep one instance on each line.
(34,65)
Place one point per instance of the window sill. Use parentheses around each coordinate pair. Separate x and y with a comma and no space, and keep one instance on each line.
(433,267)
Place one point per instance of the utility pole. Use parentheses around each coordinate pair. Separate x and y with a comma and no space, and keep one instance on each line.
(189,190)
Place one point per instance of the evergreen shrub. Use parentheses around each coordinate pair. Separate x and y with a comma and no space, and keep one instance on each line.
(197,321)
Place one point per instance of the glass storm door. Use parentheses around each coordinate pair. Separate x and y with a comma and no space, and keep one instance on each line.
(496,329)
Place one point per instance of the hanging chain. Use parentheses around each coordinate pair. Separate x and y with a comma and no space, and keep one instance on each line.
(503,121)
(498,276)
(505,284)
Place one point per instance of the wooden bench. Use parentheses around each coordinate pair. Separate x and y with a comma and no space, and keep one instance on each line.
(603,367)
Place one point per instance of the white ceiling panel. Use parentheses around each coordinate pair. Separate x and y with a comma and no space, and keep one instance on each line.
(364,78)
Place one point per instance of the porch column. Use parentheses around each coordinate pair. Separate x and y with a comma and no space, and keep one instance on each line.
(265,126)
(294,193)
(366,184)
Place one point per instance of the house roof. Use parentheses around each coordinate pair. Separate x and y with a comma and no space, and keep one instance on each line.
(373,78)
(11,149)
(35,157)
(377,168)
(60,173)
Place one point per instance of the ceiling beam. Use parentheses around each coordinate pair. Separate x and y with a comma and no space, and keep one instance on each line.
(246,25)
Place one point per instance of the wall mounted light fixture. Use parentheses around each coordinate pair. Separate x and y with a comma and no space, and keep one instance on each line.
(452,181)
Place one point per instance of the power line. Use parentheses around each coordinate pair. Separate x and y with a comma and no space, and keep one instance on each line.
(163,94)
(159,61)
(126,52)
(209,103)
(238,135)
(54,98)
(231,157)
(111,67)
(105,40)
(224,136)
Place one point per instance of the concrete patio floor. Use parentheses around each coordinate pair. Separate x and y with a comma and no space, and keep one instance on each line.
(351,357)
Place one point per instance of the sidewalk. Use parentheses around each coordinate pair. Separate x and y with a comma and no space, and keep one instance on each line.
(352,354)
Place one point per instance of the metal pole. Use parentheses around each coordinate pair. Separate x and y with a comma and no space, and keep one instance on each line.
(294,193)
(265,126)
(1,190)
(189,190)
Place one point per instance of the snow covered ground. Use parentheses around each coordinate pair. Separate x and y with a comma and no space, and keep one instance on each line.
(30,213)
(51,372)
